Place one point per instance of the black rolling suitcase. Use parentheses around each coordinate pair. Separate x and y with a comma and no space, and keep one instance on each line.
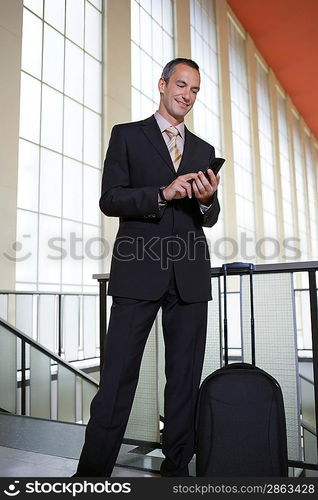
(240,424)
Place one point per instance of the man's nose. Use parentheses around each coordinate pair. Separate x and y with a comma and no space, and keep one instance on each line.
(186,94)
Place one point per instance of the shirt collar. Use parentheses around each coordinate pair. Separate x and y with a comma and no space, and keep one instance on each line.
(163,124)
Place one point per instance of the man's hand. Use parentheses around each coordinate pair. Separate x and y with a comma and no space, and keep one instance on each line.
(180,187)
(203,190)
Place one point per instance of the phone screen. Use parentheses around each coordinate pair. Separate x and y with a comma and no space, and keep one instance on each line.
(215,165)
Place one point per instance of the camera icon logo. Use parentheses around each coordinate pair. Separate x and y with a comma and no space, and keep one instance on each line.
(13,491)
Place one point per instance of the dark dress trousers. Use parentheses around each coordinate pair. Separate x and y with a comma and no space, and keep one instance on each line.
(160,259)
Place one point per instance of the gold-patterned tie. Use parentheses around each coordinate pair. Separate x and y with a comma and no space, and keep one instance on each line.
(173,147)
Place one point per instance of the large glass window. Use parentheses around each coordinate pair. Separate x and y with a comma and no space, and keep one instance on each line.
(266,158)
(204,50)
(60,144)
(152,46)
(206,111)
(300,188)
(242,147)
(285,168)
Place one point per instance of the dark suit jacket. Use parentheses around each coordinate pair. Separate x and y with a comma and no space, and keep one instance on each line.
(151,239)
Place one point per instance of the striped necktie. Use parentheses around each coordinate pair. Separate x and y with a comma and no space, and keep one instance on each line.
(173,147)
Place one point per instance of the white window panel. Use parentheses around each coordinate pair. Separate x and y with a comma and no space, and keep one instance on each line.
(206,109)
(53,58)
(26,246)
(145,34)
(215,95)
(72,189)
(146,81)
(74,61)
(28,175)
(75,21)
(95,252)
(135,66)
(157,43)
(245,213)
(49,288)
(269,197)
(147,106)
(51,183)
(93,91)
(270,224)
(135,24)
(267,173)
(50,249)
(73,258)
(151,48)
(135,105)
(97,3)
(167,47)
(30,99)
(156,73)
(92,138)
(26,287)
(35,5)
(167,16)
(73,129)
(91,183)
(31,44)
(146,4)
(54,13)
(93,31)
(52,118)
(198,15)
(205,25)
(156,11)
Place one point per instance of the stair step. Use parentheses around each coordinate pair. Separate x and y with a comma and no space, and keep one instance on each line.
(61,439)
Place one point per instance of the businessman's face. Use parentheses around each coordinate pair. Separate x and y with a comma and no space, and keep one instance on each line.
(178,94)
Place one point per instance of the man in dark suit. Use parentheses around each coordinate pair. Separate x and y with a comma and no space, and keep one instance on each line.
(153,181)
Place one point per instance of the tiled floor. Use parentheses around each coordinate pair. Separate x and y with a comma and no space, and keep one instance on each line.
(20,463)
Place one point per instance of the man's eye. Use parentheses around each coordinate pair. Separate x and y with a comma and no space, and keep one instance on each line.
(180,85)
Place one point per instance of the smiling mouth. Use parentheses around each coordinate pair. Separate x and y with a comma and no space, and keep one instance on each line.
(183,104)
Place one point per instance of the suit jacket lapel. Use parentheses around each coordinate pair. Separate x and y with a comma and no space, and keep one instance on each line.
(152,131)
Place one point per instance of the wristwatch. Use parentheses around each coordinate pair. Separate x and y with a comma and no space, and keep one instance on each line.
(161,195)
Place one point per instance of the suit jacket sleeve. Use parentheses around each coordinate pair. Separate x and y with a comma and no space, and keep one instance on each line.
(118,198)
(210,217)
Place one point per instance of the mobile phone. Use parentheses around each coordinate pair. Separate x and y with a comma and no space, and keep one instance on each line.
(215,166)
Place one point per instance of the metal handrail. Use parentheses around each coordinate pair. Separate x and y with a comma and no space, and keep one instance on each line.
(35,292)
(57,295)
(310,267)
(259,268)
(25,338)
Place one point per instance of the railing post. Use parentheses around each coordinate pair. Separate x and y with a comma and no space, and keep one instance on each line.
(314,335)
(23,379)
(59,346)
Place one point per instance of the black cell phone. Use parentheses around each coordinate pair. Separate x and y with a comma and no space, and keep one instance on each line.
(215,166)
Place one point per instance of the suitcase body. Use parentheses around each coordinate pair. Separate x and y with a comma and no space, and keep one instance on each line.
(240,424)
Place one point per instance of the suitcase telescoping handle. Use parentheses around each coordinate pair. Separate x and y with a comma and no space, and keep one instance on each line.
(240,267)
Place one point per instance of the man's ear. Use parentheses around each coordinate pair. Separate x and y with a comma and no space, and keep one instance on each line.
(161,84)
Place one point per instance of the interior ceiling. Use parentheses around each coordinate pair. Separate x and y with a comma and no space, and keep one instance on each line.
(286,34)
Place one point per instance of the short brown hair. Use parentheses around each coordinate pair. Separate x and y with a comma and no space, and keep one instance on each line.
(171,66)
